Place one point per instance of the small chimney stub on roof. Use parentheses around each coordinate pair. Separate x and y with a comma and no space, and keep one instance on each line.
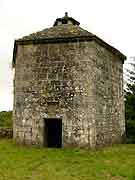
(66,20)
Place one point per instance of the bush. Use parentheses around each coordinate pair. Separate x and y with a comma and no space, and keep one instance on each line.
(130,131)
(6,119)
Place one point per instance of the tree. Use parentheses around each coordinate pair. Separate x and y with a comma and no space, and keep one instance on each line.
(130,103)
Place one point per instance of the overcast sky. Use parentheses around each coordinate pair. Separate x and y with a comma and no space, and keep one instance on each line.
(111,20)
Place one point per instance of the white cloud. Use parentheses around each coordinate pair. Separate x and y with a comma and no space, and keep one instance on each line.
(6,101)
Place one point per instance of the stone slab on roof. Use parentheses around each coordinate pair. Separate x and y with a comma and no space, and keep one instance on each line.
(61,31)
(69,32)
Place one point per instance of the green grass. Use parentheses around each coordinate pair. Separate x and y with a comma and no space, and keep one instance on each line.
(25,163)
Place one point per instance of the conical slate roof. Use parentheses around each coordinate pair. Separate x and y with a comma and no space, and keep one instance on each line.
(65,29)
(61,31)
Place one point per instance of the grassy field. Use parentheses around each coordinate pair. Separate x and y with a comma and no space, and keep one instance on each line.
(21,163)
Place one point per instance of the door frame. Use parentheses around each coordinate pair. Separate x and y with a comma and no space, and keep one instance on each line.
(45,134)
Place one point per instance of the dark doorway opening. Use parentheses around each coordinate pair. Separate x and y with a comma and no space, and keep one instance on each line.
(53,133)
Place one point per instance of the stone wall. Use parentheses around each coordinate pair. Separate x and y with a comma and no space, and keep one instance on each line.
(79,82)
(6,132)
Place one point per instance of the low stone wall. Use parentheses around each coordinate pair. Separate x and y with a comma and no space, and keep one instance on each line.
(6,132)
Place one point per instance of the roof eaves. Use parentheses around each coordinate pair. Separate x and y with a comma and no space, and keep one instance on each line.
(110,48)
(52,40)
(67,39)
(74,21)
(46,40)
(14,54)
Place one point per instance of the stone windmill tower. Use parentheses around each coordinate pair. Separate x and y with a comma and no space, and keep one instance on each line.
(68,88)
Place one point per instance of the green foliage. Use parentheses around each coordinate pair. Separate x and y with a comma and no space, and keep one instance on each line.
(6,119)
(21,163)
(130,104)
(130,127)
